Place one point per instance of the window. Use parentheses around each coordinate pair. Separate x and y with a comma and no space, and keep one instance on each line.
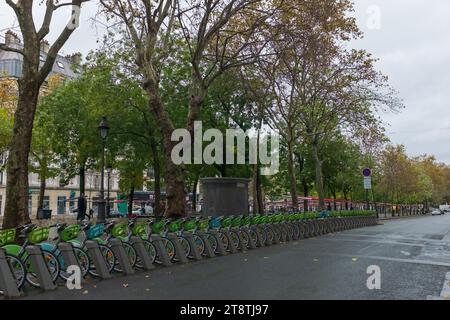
(1,178)
(60,64)
(1,204)
(61,205)
(46,203)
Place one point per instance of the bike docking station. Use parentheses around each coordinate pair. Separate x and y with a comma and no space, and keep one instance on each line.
(121,256)
(40,268)
(209,252)
(180,253)
(98,260)
(138,245)
(220,248)
(68,255)
(161,251)
(7,280)
(195,254)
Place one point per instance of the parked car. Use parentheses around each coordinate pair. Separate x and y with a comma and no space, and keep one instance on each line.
(444,208)
(436,212)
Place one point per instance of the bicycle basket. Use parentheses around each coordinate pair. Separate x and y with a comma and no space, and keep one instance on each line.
(226,222)
(215,223)
(39,235)
(190,225)
(236,222)
(158,227)
(203,224)
(70,233)
(7,236)
(96,231)
(174,226)
(119,230)
(139,230)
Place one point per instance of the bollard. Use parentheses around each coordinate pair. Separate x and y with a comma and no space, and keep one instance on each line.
(195,254)
(68,255)
(220,248)
(7,280)
(231,246)
(209,252)
(97,258)
(138,245)
(180,254)
(40,268)
(161,250)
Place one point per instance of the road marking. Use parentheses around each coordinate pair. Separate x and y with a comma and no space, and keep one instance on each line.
(428,241)
(425,262)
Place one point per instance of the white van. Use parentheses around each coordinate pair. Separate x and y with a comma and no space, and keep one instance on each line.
(444,208)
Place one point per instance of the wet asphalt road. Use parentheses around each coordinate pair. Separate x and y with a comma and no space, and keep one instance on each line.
(413,255)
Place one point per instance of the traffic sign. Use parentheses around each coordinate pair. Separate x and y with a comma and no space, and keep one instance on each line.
(367,183)
(367,172)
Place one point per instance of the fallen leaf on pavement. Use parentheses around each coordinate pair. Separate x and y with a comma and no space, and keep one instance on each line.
(316,260)
(354,259)
(85,292)
(125,285)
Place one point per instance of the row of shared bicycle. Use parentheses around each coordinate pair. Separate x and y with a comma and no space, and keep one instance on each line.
(179,239)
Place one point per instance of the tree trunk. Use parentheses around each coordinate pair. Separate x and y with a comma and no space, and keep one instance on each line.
(82,174)
(319,177)
(16,207)
(291,174)
(131,200)
(174,177)
(42,187)
(157,183)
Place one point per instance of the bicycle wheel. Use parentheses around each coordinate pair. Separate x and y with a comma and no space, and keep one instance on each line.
(212,241)
(109,257)
(131,254)
(263,234)
(234,238)
(52,264)
(224,240)
(17,269)
(83,262)
(244,237)
(170,248)
(185,246)
(253,236)
(270,234)
(151,250)
(200,244)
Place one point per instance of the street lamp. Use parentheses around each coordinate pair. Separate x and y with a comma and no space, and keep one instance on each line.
(103,129)
(108,207)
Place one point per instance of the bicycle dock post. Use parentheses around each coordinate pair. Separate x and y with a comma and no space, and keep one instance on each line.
(7,282)
(220,248)
(40,267)
(161,250)
(209,252)
(195,254)
(121,255)
(99,261)
(68,255)
(231,244)
(138,245)
(180,254)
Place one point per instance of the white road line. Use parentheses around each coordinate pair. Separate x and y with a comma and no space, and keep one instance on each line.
(425,262)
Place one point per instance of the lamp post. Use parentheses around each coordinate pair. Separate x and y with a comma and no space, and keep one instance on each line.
(108,207)
(103,129)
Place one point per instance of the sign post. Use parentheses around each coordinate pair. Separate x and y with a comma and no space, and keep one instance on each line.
(367,173)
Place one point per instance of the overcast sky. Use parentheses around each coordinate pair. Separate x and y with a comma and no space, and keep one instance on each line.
(410,37)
